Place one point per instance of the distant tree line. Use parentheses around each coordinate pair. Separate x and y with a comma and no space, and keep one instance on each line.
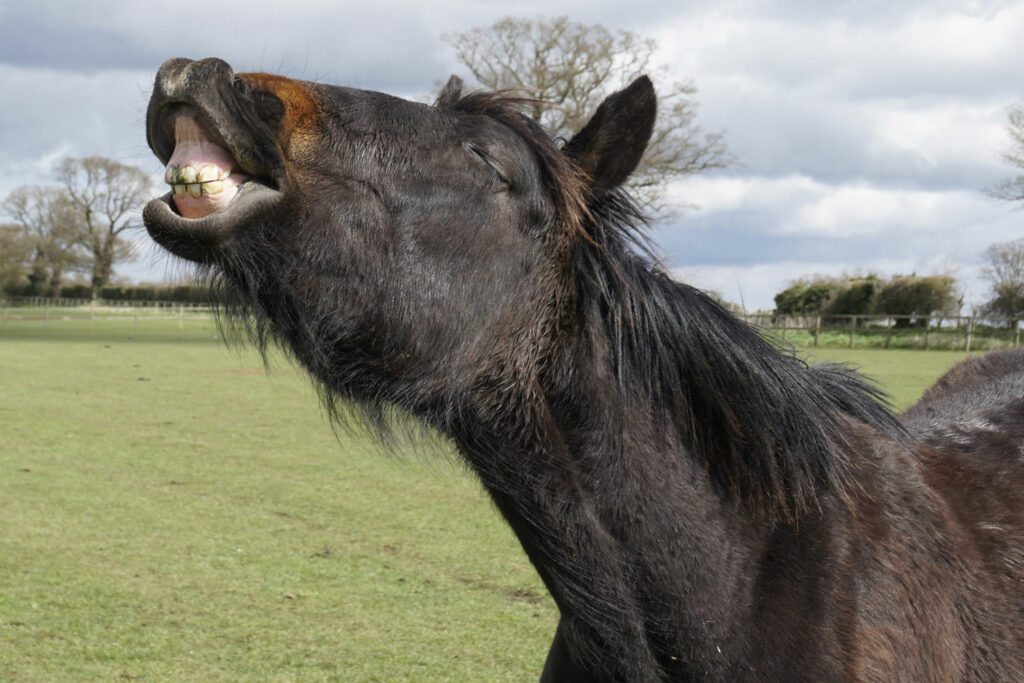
(899,295)
(184,294)
(916,296)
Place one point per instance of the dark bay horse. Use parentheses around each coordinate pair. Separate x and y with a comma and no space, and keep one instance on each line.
(701,504)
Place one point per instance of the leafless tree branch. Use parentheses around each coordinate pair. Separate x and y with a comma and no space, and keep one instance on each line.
(572,67)
(106,194)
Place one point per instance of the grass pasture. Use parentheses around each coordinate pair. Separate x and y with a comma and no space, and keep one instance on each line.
(169,510)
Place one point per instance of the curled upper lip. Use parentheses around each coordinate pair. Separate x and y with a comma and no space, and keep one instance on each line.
(225,114)
(162,142)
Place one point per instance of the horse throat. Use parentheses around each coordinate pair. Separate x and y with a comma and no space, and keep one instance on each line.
(637,549)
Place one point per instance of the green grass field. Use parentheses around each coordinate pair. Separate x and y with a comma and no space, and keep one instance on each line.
(171,510)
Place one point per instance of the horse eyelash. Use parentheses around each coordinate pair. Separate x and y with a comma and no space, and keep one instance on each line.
(486,158)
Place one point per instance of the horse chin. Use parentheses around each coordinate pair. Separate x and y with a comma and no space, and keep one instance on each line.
(203,239)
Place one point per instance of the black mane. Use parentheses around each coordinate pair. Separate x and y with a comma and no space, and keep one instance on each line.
(770,428)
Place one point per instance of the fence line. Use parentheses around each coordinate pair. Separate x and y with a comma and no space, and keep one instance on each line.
(961,332)
(50,310)
(965,333)
(55,302)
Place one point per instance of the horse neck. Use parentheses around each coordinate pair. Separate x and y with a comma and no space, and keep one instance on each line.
(625,529)
(647,467)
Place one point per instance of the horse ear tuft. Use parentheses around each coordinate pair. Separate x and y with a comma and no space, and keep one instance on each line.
(610,146)
(450,93)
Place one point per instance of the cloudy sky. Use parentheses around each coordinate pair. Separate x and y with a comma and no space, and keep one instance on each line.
(866,130)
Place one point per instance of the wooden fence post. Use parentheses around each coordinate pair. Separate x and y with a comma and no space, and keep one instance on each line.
(888,332)
(817,331)
(970,332)
(853,328)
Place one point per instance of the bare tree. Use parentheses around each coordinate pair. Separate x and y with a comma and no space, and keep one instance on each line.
(569,67)
(46,235)
(107,195)
(1003,267)
(1012,189)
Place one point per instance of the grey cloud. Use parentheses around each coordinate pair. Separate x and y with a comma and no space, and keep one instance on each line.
(378,46)
(740,238)
(775,131)
(878,12)
(752,235)
(30,38)
(920,53)
(86,114)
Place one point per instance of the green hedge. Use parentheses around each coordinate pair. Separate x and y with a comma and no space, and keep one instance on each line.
(898,295)
(186,294)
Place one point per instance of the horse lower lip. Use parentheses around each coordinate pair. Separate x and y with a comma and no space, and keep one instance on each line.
(201,238)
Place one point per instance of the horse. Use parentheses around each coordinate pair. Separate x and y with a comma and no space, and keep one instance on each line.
(701,503)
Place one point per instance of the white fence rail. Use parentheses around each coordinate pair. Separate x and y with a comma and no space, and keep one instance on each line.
(903,331)
(38,310)
(965,333)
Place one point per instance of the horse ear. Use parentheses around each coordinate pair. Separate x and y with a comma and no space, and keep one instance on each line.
(450,93)
(609,147)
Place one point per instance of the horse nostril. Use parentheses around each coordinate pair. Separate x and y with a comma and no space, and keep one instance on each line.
(241,85)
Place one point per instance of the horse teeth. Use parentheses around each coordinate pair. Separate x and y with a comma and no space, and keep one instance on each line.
(208,173)
(179,191)
(213,187)
(187,175)
(195,190)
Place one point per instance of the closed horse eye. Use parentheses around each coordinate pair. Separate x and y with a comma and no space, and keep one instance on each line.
(488,160)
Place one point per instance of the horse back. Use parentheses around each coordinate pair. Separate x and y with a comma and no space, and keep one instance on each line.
(977,393)
(970,428)
(968,431)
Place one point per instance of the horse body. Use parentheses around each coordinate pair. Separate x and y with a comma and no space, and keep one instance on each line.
(700,504)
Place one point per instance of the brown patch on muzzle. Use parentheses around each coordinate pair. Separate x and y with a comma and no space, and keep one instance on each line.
(301,109)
